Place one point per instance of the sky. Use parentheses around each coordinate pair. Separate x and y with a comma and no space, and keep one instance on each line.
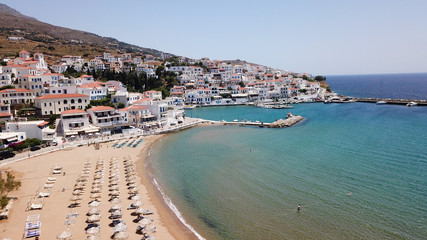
(318,37)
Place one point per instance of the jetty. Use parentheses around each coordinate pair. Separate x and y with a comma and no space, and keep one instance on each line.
(281,123)
(391,101)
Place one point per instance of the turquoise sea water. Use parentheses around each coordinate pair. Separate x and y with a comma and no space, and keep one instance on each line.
(233,182)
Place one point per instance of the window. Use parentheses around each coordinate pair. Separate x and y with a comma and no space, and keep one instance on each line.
(72,100)
(59,109)
(50,104)
(79,101)
(65,101)
(45,104)
(59,102)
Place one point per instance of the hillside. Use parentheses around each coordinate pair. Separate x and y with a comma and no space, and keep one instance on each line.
(56,41)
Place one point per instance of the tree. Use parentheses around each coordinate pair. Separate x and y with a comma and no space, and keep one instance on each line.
(241,84)
(304,77)
(7,87)
(120,105)
(7,185)
(320,78)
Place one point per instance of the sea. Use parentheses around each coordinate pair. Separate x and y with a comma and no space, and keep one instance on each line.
(358,170)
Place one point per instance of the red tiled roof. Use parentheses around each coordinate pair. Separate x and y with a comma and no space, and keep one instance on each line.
(90,85)
(143,100)
(4,114)
(55,96)
(73,111)
(137,107)
(43,124)
(101,108)
(14,90)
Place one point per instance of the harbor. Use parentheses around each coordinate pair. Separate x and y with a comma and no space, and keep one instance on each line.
(280,123)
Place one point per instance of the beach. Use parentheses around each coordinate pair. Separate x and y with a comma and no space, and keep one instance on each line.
(34,173)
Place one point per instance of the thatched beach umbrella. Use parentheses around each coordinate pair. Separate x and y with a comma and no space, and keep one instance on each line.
(75,198)
(114,188)
(135,198)
(133,191)
(96,190)
(93,237)
(64,235)
(144,221)
(93,211)
(132,185)
(95,195)
(93,230)
(137,204)
(121,236)
(116,207)
(115,200)
(140,211)
(81,179)
(94,218)
(121,227)
(115,193)
(94,203)
(98,176)
(77,192)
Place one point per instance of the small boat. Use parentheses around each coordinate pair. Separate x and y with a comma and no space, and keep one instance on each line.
(411,104)
(189,107)
(235,120)
(381,102)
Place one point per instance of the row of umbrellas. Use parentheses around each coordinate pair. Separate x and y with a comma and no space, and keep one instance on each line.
(94,214)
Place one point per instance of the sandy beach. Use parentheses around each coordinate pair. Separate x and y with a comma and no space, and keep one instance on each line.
(34,173)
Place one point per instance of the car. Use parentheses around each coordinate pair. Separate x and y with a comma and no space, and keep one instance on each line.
(35,148)
(6,154)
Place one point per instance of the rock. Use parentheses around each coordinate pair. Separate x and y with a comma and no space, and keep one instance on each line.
(281,123)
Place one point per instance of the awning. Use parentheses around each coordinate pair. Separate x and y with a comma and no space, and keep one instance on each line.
(11,139)
(71,133)
(91,130)
(149,116)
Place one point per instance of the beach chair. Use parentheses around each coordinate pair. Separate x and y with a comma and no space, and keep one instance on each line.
(56,171)
(32,233)
(47,185)
(35,217)
(43,194)
(36,206)
(51,179)
(32,225)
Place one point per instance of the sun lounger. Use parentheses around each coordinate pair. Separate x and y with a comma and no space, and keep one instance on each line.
(36,206)
(48,186)
(56,172)
(51,179)
(32,225)
(43,194)
(57,168)
(33,217)
(32,233)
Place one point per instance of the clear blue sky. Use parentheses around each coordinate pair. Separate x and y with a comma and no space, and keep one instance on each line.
(319,37)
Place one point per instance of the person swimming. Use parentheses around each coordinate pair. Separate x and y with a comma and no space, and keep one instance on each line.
(299,207)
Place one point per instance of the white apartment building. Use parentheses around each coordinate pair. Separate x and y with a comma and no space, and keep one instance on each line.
(16,96)
(76,121)
(57,103)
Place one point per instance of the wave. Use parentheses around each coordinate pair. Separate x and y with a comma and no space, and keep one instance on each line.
(175,210)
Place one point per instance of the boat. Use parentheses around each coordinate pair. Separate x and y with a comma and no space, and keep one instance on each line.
(381,102)
(380,93)
(411,104)
(189,107)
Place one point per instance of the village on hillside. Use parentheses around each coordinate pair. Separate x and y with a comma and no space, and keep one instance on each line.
(47,102)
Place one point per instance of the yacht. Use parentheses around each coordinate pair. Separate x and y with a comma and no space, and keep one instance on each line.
(411,104)
(381,102)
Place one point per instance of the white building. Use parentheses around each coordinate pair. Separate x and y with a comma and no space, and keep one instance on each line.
(32,129)
(16,96)
(76,121)
(7,138)
(57,103)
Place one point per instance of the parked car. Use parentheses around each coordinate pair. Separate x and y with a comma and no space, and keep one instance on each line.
(35,148)
(6,154)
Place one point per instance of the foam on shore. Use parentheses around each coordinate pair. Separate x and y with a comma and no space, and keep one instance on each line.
(175,210)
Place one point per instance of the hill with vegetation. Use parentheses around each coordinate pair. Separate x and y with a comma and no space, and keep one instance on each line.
(55,41)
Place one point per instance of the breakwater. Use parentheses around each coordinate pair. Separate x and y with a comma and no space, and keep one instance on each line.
(392,101)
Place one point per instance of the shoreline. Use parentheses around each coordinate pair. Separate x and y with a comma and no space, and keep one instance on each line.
(147,173)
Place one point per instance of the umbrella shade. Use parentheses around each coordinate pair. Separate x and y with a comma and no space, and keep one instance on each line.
(117,213)
(97,181)
(131,182)
(94,218)
(115,200)
(114,182)
(115,193)
(77,192)
(121,227)
(93,237)
(140,211)
(76,198)
(136,198)
(116,207)
(92,230)
(94,204)
(64,235)
(137,204)
(79,187)
(95,195)
(114,188)
(121,236)
(81,179)
(97,177)
(114,179)
(96,190)
(132,188)
(133,191)
(132,185)
(144,221)
(93,211)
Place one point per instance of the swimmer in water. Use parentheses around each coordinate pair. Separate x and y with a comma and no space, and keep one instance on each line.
(299,207)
